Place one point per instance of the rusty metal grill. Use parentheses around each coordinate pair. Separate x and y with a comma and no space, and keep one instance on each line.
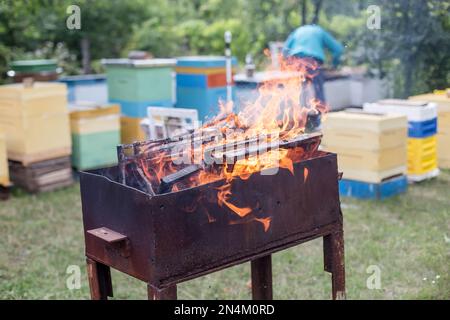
(162,236)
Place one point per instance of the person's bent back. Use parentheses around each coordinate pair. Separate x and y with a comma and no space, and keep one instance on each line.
(306,45)
(310,41)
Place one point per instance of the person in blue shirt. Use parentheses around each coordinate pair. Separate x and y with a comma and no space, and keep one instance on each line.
(308,43)
(305,47)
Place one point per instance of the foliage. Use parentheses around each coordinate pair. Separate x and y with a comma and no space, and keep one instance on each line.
(412,45)
(414,40)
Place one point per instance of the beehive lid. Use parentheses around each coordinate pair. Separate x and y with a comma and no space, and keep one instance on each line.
(405,103)
(267,76)
(84,78)
(440,98)
(204,61)
(34,65)
(92,110)
(138,63)
(414,110)
(37,89)
(358,119)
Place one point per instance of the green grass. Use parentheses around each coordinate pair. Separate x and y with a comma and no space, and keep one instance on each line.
(406,236)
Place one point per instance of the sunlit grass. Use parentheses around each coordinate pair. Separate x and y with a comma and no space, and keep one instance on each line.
(407,237)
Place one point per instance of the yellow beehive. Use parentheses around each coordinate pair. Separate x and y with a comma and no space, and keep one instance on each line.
(443,150)
(422,156)
(4,174)
(35,121)
(442,99)
(88,119)
(130,130)
(370,147)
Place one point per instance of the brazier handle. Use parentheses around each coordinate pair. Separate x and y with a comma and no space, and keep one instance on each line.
(113,238)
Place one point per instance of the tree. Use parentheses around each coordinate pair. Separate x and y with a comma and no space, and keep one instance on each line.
(414,39)
(304,11)
(106,27)
(317,7)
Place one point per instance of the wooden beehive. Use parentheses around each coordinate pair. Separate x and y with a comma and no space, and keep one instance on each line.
(47,175)
(201,83)
(4,175)
(95,135)
(370,147)
(443,136)
(422,155)
(130,130)
(35,121)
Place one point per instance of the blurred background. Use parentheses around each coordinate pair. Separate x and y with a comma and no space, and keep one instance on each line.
(411,49)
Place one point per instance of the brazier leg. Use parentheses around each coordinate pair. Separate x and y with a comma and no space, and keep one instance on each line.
(333,249)
(99,276)
(261,269)
(169,293)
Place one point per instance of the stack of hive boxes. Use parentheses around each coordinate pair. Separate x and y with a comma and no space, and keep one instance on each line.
(4,173)
(201,83)
(442,100)
(371,151)
(136,85)
(35,120)
(422,129)
(95,135)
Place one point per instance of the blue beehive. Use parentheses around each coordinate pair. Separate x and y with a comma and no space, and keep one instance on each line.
(89,87)
(422,129)
(201,83)
(365,190)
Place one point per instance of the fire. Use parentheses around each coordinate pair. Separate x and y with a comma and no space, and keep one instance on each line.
(278,114)
(223,196)
(265,222)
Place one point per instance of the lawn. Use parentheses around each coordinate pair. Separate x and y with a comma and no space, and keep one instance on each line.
(407,237)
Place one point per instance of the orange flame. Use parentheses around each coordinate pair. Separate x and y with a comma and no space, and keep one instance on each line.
(265,221)
(223,195)
(277,114)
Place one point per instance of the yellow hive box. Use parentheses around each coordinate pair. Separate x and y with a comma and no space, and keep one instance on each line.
(4,173)
(35,120)
(365,131)
(443,149)
(89,119)
(441,98)
(130,130)
(370,147)
(422,155)
(370,166)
